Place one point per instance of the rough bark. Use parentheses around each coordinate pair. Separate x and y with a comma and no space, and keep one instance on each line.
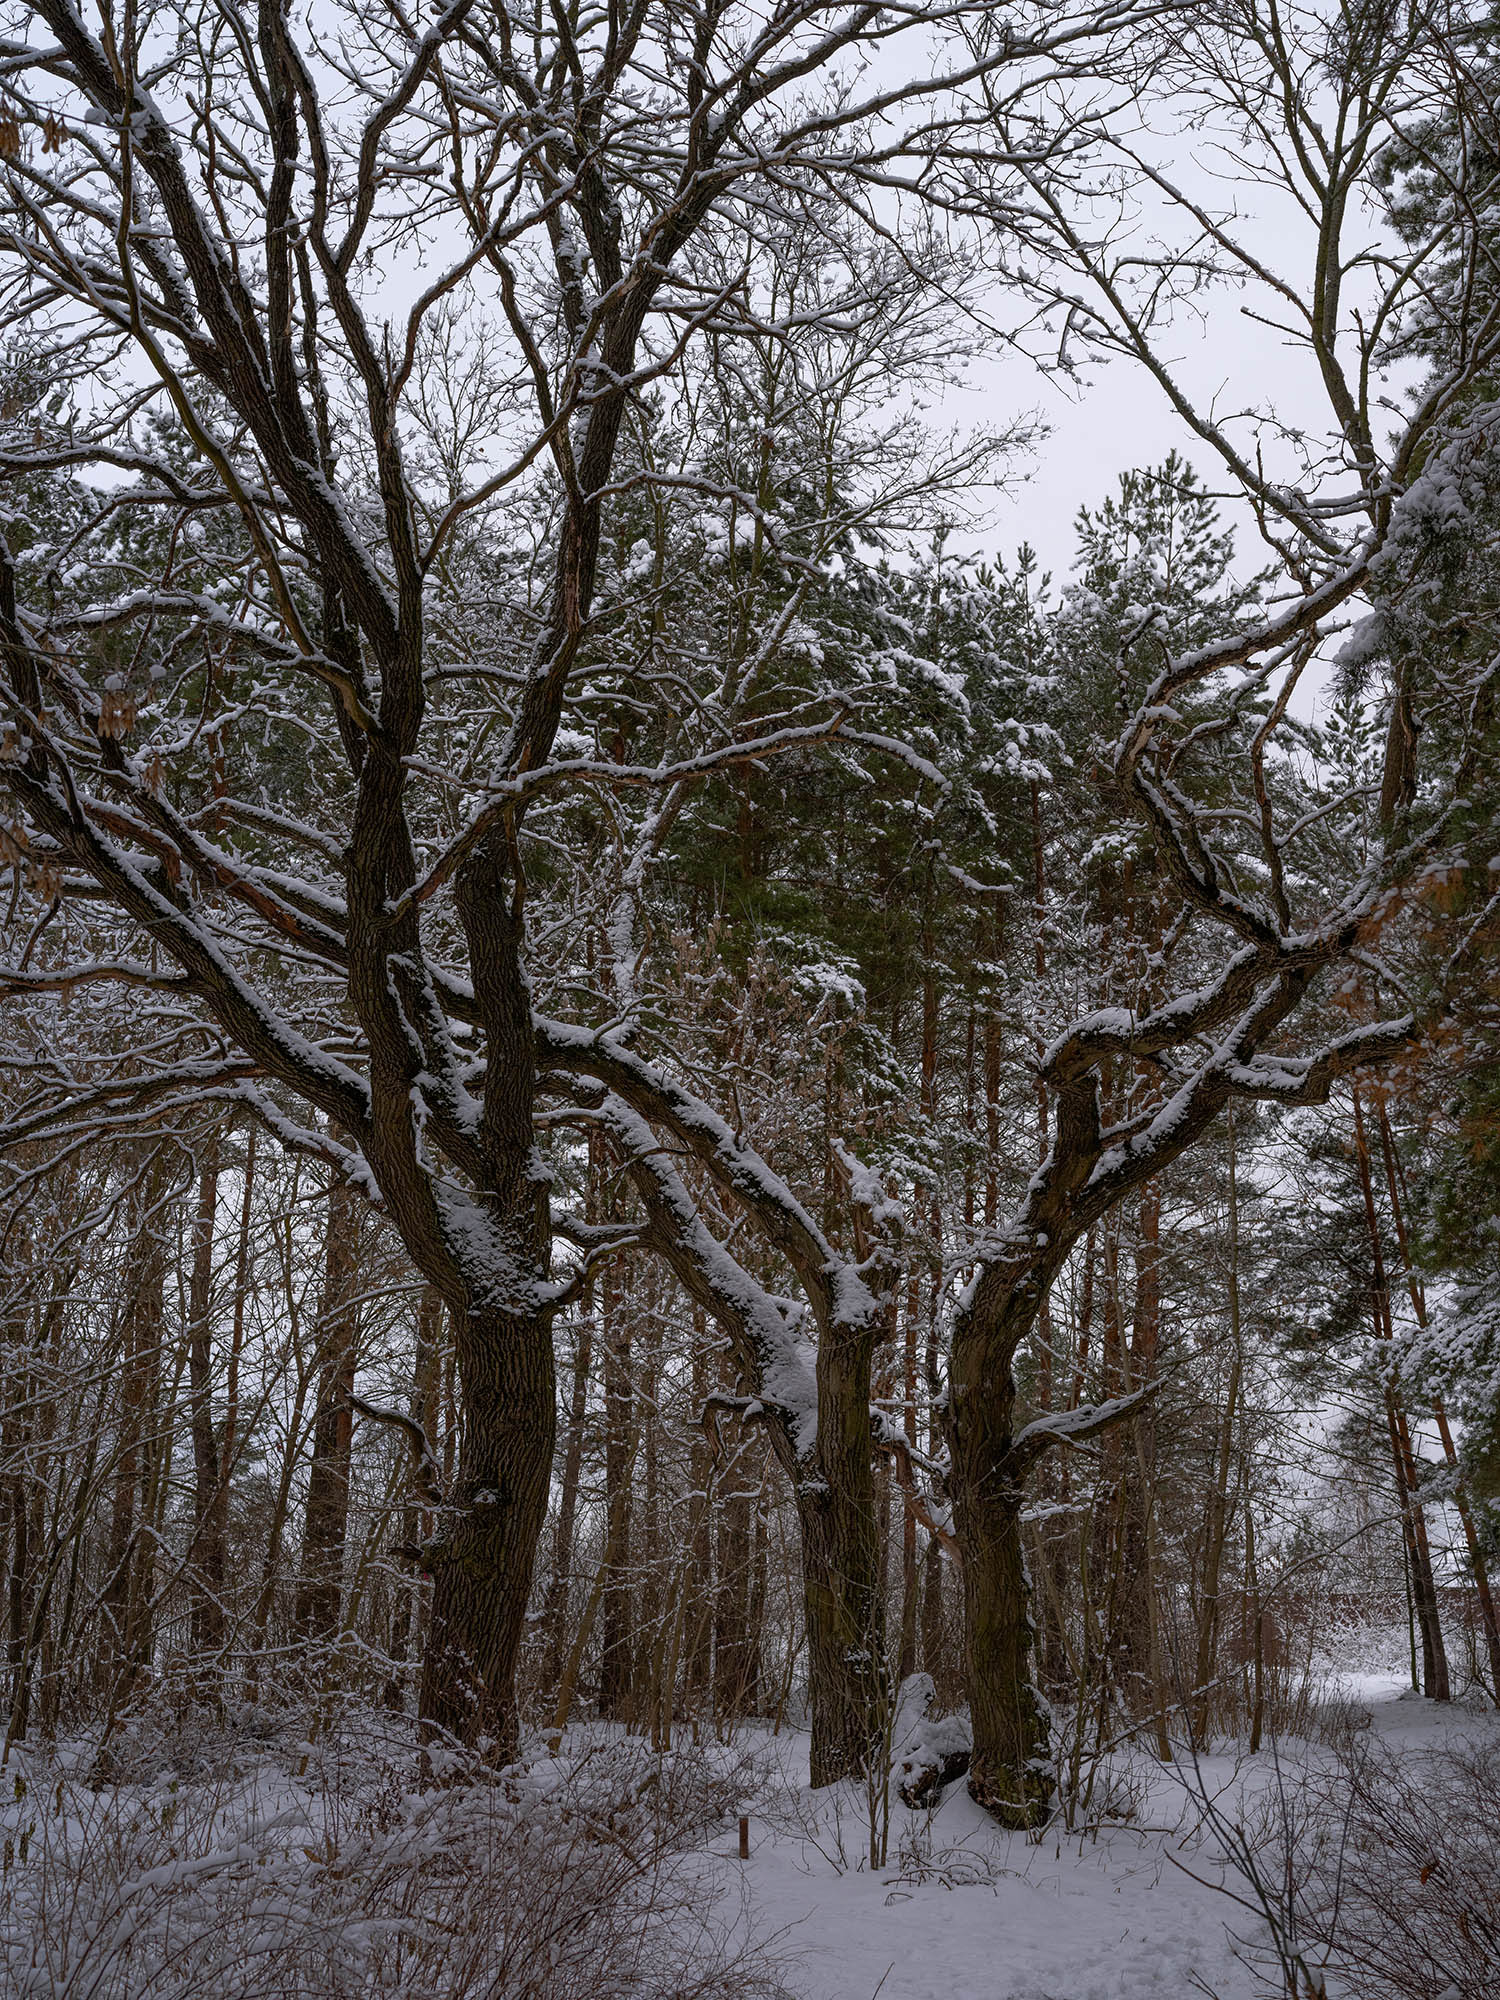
(484,1561)
(1008,1770)
(845,1608)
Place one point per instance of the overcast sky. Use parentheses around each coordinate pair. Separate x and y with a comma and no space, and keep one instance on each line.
(1119,417)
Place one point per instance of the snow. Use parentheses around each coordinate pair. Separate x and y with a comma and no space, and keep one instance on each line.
(868,1191)
(967,1912)
(1086,1421)
(1122,1907)
(921,1742)
(1130,1934)
(1103,1918)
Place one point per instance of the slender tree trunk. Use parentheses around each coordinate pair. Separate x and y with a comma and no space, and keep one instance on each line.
(28,1424)
(971,1107)
(560,1582)
(1403,1457)
(237,1316)
(19,1609)
(1217,1523)
(760,1559)
(44,1428)
(732,1597)
(1144,1617)
(1478,1568)
(906,1658)
(325,1527)
(156,1478)
(125,1640)
(1113,1521)
(618,1610)
(206,1566)
(992,1055)
(1257,1636)
(645,1679)
(932,1583)
(229,1439)
(699,1602)
(20,1595)
(272,1573)
(416,1519)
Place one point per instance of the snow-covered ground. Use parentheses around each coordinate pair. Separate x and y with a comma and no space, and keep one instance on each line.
(1112,1914)
(327,1870)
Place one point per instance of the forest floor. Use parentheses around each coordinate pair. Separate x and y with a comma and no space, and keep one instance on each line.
(1125,1909)
(235,1859)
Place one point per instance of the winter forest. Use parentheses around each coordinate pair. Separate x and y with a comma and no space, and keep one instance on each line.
(749,1208)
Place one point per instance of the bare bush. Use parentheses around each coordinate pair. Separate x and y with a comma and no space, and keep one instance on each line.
(960,1865)
(1412,1910)
(1376,1866)
(547,1885)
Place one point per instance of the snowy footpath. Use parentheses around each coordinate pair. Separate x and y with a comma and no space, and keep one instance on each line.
(1124,1909)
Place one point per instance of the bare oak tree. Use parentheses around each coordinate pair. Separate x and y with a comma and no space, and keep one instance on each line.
(1317,110)
(240,259)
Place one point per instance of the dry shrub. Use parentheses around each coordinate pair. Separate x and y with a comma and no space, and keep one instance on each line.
(1412,1909)
(1375,1871)
(581,1883)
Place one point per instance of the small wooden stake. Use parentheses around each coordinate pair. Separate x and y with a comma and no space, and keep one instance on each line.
(744,1838)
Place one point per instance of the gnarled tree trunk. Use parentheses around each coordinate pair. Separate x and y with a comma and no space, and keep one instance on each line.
(484,1561)
(841,1582)
(1008,1772)
(990,1461)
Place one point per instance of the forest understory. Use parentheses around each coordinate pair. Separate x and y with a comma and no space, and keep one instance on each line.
(1357,1856)
(746,1247)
